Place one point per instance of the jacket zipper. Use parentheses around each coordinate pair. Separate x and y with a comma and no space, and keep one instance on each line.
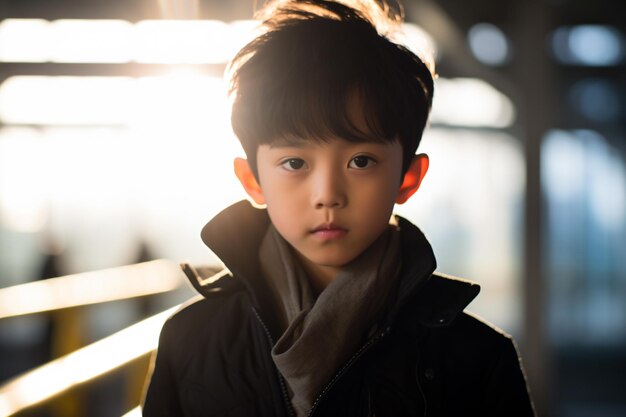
(347,366)
(283,388)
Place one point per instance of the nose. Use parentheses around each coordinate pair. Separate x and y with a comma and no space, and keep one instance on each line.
(329,190)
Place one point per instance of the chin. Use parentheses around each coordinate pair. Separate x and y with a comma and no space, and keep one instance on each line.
(334,261)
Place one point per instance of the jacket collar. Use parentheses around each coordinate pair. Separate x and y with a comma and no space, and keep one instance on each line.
(442,299)
(234,235)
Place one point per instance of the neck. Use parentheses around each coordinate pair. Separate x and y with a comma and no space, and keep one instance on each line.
(319,276)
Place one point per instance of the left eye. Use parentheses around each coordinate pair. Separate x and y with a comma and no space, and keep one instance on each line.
(361,162)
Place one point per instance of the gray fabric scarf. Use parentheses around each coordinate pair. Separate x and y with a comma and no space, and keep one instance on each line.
(321,335)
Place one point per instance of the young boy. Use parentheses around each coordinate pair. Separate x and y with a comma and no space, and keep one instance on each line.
(327,307)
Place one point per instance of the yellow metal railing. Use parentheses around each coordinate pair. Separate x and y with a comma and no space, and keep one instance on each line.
(80,365)
(90,288)
(135,412)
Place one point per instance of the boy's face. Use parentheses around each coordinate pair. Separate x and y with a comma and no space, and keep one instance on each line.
(330,200)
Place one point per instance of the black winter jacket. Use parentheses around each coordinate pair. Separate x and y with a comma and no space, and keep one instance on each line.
(428,359)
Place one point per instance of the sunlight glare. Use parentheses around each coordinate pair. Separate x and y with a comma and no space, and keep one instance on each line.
(419,42)
(65,100)
(24,40)
(471,102)
(180,41)
(23,190)
(103,41)
(164,41)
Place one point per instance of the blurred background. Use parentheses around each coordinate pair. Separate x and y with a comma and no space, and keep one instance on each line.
(116,148)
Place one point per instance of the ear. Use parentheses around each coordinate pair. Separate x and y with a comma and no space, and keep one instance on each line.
(413,178)
(248,180)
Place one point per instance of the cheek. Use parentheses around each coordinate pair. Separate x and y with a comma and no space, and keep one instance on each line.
(282,216)
(281,200)
(379,197)
(377,216)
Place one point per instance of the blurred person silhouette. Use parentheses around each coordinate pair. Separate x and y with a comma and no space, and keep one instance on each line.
(328,304)
(27,341)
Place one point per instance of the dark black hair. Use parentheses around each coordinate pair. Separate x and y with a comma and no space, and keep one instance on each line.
(313,56)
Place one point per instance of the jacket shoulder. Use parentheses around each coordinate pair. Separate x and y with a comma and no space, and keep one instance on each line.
(441,309)
(201,325)
(474,324)
(200,315)
(478,336)
(193,372)
(481,368)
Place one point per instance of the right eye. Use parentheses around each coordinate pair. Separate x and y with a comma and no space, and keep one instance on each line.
(293,164)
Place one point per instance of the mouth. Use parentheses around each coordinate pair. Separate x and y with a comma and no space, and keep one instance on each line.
(328,231)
